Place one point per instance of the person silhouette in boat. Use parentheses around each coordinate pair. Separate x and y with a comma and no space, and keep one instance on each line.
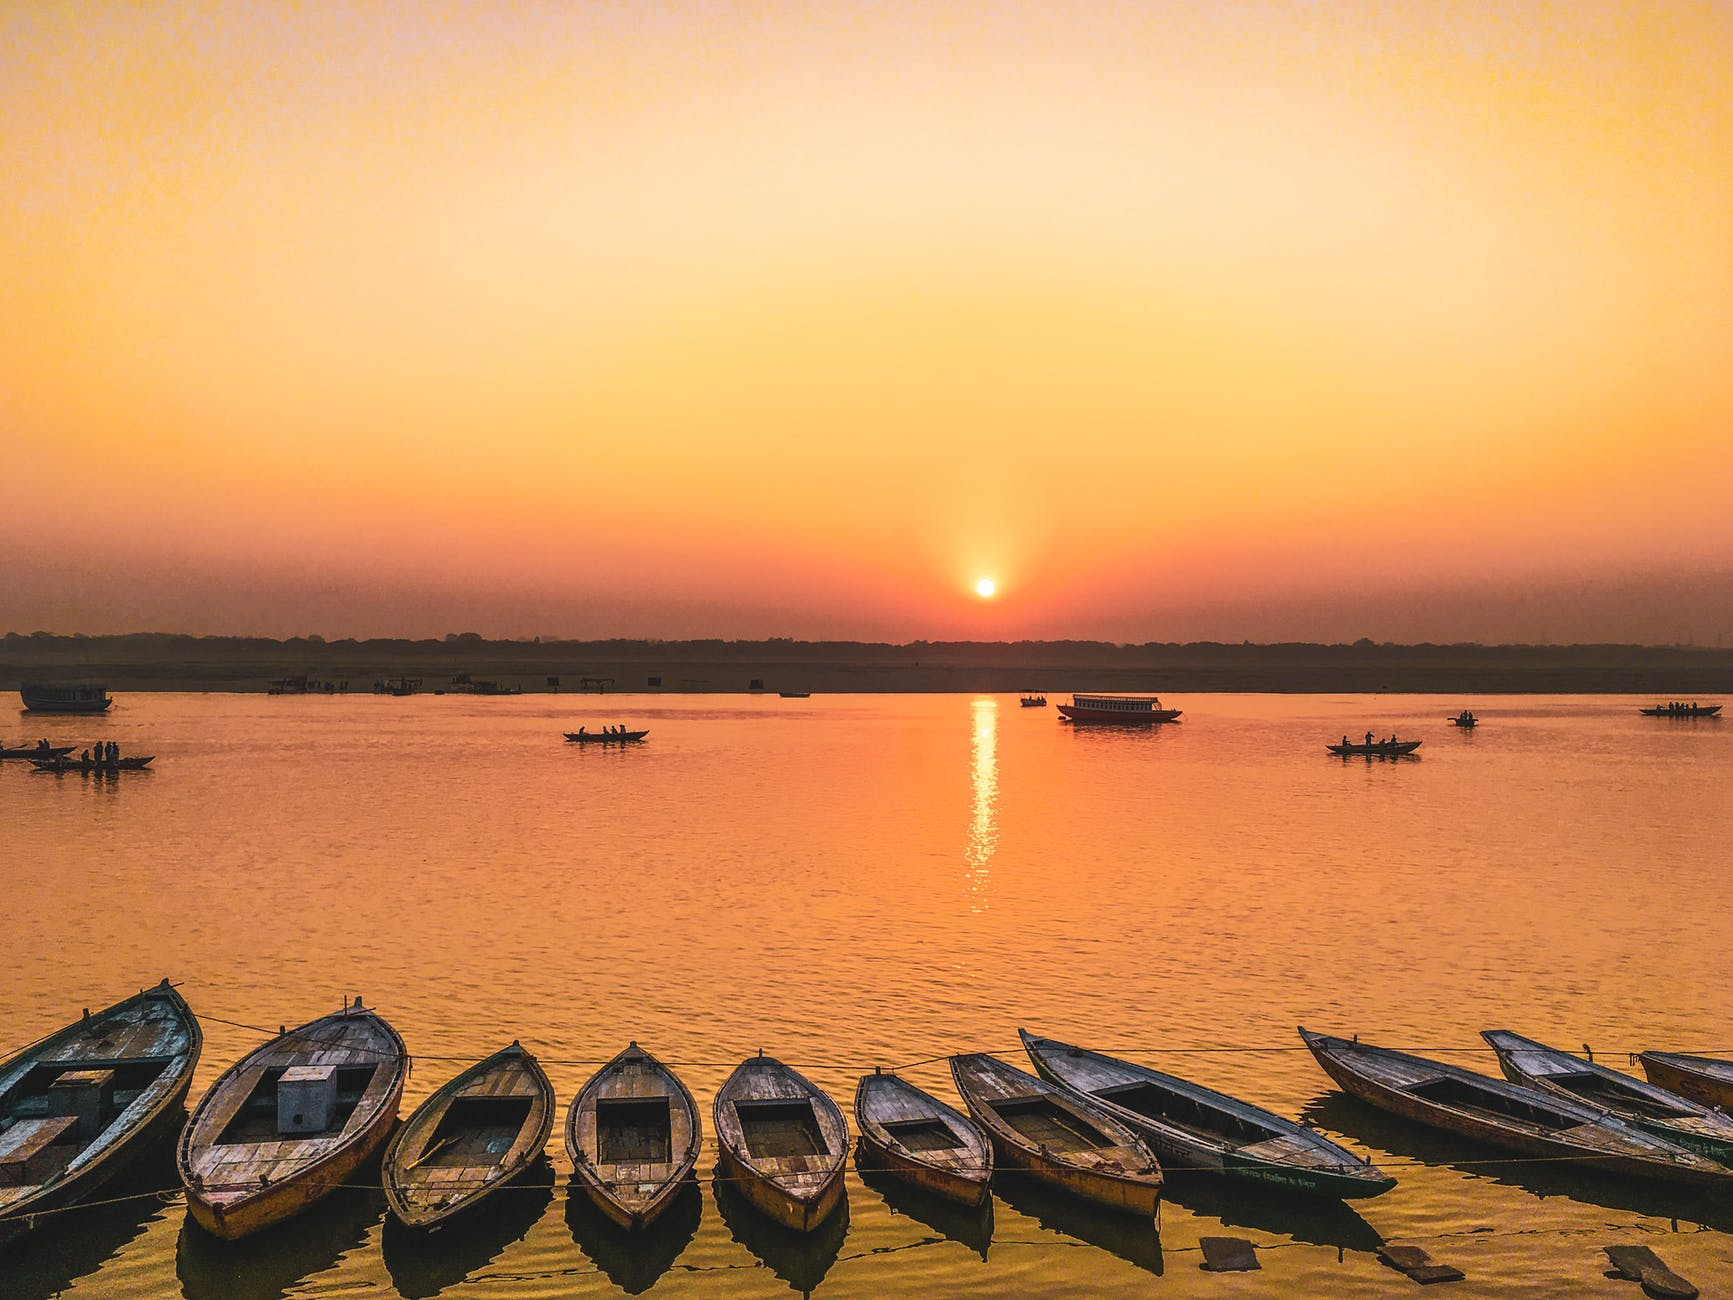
(581,731)
(1368,737)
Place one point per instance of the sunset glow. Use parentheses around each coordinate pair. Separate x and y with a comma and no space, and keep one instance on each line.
(985,588)
(725,319)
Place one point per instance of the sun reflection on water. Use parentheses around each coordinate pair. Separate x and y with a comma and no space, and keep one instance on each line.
(984,779)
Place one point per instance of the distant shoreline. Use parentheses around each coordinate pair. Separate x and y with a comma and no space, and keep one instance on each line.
(166,662)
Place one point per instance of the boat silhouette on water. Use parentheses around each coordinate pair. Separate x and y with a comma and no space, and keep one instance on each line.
(1679,709)
(1377,749)
(46,697)
(606,737)
(42,749)
(131,763)
(1119,710)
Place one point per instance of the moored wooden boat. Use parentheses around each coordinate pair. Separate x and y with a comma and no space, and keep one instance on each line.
(131,763)
(292,1120)
(469,1139)
(1460,1101)
(1377,749)
(633,1136)
(1198,1128)
(783,1142)
(78,1105)
(1701,1078)
(606,737)
(43,750)
(923,1141)
(1648,1106)
(1058,1137)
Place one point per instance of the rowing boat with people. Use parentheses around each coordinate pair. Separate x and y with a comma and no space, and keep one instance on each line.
(606,737)
(1377,749)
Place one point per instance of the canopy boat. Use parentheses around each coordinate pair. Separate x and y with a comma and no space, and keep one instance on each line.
(633,1136)
(921,1140)
(1120,709)
(1201,1129)
(1701,1078)
(1460,1101)
(468,1140)
(291,1121)
(1682,711)
(44,697)
(1377,749)
(1058,1137)
(78,1106)
(606,737)
(131,763)
(783,1142)
(1666,1114)
(43,750)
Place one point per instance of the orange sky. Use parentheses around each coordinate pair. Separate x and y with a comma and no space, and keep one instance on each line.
(770,319)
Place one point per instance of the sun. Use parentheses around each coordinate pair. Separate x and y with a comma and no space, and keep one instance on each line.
(985,588)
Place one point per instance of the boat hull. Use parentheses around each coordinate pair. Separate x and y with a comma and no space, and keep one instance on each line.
(800,1213)
(234,1219)
(1676,1077)
(1126,1195)
(943,1183)
(1400,750)
(1117,718)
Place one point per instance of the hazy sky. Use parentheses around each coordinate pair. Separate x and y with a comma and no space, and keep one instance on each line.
(1177,320)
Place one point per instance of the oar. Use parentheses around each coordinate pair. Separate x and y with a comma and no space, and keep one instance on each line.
(426,1155)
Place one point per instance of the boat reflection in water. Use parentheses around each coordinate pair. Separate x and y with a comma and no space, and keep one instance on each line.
(1310,1220)
(633,1261)
(800,1259)
(984,782)
(1134,1239)
(424,1264)
(970,1225)
(268,1266)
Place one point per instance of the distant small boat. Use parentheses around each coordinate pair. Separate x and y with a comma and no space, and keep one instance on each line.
(1464,719)
(131,763)
(606,737)
(1123,710)
(633,1137)
(1666,1114)
(44,750)
(783,1142)
(1031,700)
(1701,1078)
(1682,711)
(1471,1105)
(1057,1137)
(1377,749)
(291,1121)
(921,1140)
(468,1140)
(1195,1127)
(76,1107)
(43,697)
(795,695)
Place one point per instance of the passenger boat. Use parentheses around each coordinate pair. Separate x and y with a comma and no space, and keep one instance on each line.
(1377,749)
(131,763)
(920,1139)
(1465,719)
(1664,1113)
(1031,700)
(76,1107)
(633,1136)
(43,697)
(783,1142)
(468,1140)
(606,738)
(1490,1110)
(44,750)
(1191,1126)
(1121,709)
(1682,711)
(1058,1137)
(1701,1078)
(291,1121)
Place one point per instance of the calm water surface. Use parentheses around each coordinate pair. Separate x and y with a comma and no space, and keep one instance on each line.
(882,880)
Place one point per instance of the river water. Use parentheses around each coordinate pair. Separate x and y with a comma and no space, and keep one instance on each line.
(853,881)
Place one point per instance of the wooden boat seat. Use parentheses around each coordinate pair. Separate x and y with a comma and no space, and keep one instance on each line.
(25,1157)
(924,1135)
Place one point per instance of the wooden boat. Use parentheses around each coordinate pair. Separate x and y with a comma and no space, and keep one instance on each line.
(783,1142)
(1191,1126)
(1494,1111)
(1701,1078)
(606,738)
(44,697)
(76,1107)
(292,1120)
(1033,701)
(1664,1113)
(1682,711)
(1377,749)
(921,1140)
(1120,710)
(468,1140)
(633,1136)
(131,763)
(1058,1137)
(36,751)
